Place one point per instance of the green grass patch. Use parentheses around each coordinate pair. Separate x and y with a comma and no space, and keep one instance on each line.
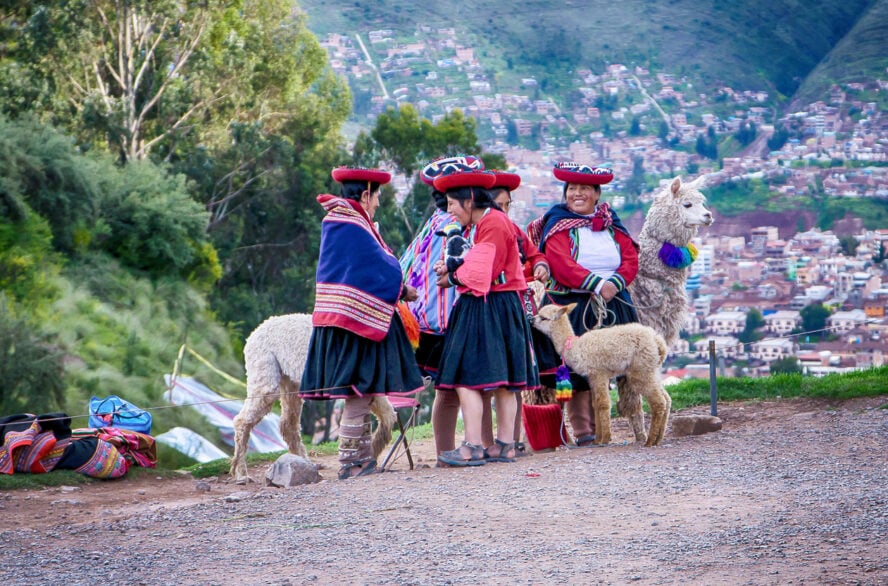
(839,387)
(70,478)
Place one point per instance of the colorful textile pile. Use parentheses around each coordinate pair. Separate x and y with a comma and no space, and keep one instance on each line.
(39,444)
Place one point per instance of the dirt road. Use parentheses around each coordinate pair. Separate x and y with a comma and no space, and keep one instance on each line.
(789,492)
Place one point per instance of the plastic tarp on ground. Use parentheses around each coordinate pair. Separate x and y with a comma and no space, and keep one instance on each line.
(192,444)
(220,411)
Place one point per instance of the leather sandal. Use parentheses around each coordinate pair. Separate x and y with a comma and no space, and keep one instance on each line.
(500,456)
(368,467)
(456,457)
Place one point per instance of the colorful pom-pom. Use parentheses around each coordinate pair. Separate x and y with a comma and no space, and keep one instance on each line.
(563,386)
(678,257)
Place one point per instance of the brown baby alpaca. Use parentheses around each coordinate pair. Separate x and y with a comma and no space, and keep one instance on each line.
(632,350)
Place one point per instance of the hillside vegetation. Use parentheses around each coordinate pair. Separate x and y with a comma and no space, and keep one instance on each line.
(760,44)
(861,53)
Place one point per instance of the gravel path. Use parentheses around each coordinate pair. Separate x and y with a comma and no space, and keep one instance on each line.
(789,492)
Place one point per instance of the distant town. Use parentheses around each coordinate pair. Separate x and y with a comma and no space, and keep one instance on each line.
(840,144)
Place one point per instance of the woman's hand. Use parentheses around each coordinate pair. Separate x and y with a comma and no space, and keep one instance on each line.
(608,291)
(444,280)
(440,268)
(410,293)
(541,273)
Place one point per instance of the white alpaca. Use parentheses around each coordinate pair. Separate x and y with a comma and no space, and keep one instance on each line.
(274,356)
(633,350)
(658,291)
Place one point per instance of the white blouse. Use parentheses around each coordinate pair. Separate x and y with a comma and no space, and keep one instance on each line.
(598,253)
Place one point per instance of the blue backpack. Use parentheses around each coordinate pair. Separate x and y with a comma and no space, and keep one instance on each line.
(112,411)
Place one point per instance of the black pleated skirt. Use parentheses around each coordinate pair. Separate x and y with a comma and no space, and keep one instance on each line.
(583,318)
(343,364)
(428,354)
(488,345)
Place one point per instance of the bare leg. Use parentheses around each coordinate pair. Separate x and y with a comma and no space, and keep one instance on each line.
(487,422)
(579,411)
(472,404)
(445,412)
(519,419)
(505,414)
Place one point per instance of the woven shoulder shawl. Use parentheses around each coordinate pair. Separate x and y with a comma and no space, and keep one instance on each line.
(560,218)
(358,277)
(432,307)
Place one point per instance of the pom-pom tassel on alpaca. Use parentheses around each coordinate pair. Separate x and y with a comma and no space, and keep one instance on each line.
(678,257)
(563,386)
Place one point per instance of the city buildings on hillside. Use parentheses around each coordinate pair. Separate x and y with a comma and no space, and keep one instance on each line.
(779,277)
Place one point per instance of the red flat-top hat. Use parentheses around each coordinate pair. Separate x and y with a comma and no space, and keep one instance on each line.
(504,180)
(446,165)
(457,179)
(583,174)
(344,174)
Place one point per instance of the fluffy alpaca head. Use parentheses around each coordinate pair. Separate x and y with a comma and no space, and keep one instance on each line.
(677,212)
(552,320)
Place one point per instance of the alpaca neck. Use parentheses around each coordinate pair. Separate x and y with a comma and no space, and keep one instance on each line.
(563,337)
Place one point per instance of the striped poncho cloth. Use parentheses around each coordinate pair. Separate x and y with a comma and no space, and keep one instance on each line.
(358,277)
(432,308)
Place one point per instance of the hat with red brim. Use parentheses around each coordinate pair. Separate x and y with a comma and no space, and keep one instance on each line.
(345,174)
(583,174)
(446,165)
(504,180)
(453,181)
(475,272)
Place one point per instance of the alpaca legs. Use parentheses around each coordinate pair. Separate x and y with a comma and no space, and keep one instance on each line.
(660,404)
(291,413)
(385,422)
(256,406)
(601,404)
(629,406)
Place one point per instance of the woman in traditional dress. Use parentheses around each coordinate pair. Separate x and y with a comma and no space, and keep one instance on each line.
(359,348)
(433,304)
(535,265)
(593,259)
(487,347)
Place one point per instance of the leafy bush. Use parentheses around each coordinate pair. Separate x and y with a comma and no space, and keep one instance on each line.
(27,264)
(153,222)
(30,367)
(42,168)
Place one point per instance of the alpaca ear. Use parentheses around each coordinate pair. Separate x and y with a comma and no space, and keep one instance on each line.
(567,308)
(676,185)
(698,183)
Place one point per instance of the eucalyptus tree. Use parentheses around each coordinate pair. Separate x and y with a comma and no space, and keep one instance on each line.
(236,95)
(137,76)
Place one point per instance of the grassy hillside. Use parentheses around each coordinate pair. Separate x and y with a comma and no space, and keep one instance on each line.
(771,45)
(861,54)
